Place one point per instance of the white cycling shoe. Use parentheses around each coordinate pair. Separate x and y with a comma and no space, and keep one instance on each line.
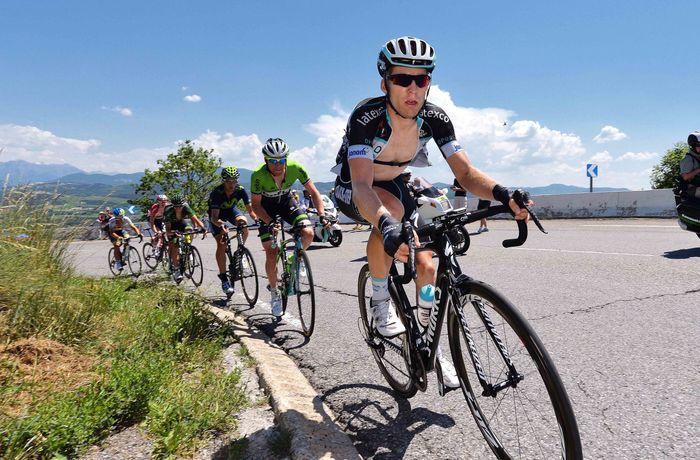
(276,302)
(385,319)
(449,374)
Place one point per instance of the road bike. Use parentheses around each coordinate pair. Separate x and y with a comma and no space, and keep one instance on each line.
(294,277)
(241,266)
(154,254)
(130,257)
(508,379)
(191,266)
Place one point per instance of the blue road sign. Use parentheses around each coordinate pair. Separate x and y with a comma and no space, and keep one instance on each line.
(591,170)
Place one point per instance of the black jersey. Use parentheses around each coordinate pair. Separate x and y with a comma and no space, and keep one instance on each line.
(219,200)
(369,131)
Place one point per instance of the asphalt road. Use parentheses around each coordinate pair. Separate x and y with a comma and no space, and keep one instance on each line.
(616,303)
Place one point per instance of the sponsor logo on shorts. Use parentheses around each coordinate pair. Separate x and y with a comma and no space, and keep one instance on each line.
(356,152)
(343,194)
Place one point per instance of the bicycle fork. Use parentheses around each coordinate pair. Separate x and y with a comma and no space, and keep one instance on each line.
(514,377)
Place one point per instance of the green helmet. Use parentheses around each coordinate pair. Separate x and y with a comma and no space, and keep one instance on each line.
(229,172)
(177,200)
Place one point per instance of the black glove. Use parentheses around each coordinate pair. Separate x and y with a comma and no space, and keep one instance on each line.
(501,194)
(140,238)
(323,220)
(391,233)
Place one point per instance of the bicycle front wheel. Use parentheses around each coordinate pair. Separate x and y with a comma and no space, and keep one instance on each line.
(391,354)
(283,278)
(148,255)
(249,276)
(194,267)
(509,380)
(111,261)
(134,261)
(304,287)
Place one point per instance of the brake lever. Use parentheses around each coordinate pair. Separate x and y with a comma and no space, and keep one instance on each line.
(407,231)
(522,198)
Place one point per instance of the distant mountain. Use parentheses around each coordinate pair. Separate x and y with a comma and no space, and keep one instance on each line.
(96,178)
(23,172)
(552,189)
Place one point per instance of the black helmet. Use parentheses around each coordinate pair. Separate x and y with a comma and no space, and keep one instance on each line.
(177,200)
(693,140)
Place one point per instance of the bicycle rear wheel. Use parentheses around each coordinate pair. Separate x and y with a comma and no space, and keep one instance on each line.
(148,256)
(249,275)
(194,267)
(111,260)
(306,299)
(528,413)
(134,261)
(392,355)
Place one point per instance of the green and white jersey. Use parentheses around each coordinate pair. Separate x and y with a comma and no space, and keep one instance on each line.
(262,182)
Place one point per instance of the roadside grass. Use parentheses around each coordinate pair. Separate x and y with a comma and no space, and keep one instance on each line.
(81,357)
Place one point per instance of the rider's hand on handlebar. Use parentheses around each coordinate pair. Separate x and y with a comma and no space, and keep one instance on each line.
(325,222)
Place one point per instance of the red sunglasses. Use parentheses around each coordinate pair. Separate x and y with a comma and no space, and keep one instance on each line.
(404,79)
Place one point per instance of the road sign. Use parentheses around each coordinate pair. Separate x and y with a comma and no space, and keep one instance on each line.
(591,170)
(131,209)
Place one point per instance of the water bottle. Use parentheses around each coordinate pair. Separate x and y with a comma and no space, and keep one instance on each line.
(426,298)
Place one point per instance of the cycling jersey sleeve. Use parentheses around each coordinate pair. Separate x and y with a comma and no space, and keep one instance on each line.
(242,195)
(301,174)
(443,131)
(362,128)
(256,183)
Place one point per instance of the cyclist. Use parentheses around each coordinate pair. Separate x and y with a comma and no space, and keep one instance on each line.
(690,165)
(155,220)
(174,217)
(271,196)
(383,136)
(223,208)
(116,233)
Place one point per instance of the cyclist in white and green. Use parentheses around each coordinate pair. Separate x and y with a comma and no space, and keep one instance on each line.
(271,185)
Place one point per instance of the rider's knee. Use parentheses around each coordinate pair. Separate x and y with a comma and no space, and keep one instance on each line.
(425,265)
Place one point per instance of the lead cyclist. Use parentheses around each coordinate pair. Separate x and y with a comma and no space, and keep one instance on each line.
(384,135)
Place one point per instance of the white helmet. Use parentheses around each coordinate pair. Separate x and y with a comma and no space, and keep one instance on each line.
(406,52)
(275,148)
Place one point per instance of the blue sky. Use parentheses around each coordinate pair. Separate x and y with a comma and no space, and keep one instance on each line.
(114,87)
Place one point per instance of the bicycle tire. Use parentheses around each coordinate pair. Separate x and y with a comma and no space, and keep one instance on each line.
(538,401)
(281,283)
(134,261)
(249,276)
(397,371)
(111,260)
(148,257)
(195,269)
(306,298)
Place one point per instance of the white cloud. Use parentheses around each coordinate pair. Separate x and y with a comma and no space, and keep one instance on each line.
(638,156)
(240,151)
(192,98)
(184,88)
(125,111)
(601,157)
(35,145)
(609,134)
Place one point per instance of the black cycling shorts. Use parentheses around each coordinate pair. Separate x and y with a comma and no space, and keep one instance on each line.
(286,208)
(396,186)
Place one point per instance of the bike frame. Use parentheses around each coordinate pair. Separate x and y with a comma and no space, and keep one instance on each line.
(450,276)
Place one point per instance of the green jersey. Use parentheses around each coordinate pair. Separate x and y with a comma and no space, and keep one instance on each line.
(262,182)
(170,217)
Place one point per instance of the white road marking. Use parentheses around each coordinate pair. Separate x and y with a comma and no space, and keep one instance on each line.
(587,252)
(630,226)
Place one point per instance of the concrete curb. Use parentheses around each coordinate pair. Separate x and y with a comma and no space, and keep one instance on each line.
(298,408)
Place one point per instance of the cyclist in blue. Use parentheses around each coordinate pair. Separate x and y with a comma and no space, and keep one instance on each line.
(116,228)
(223,207)
(384,135)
